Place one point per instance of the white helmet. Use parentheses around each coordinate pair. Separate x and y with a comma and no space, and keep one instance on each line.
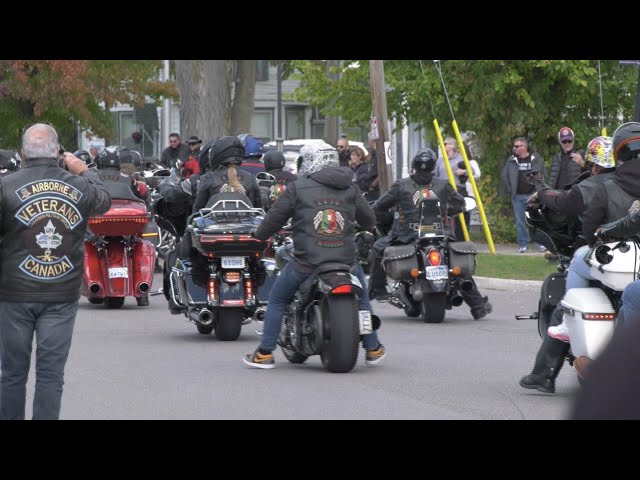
(316,157)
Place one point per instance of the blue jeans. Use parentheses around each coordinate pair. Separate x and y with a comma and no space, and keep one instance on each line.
(282,293)
(53,325)
(630,308)
(519,203)
(579,273)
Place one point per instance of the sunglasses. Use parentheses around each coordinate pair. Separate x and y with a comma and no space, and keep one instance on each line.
(518,146)
(567,141)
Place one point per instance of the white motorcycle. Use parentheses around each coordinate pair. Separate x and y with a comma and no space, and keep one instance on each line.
(591,313)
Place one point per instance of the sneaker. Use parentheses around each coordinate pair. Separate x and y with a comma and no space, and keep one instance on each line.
(523,250)
(374,357)
(259,360)
(560,332)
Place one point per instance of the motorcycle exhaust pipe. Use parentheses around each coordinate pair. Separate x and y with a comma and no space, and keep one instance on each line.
(259,314)
(143,287)
(456,300)
(94,287)
(466,285)
(205,317)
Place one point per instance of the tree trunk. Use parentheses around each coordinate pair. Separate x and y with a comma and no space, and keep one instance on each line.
(205,97)
(245,89)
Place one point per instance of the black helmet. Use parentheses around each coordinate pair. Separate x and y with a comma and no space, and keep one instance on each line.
(225,150)
(84,156)
(626,141)
(9,161)
(424,161)
(273,159)
(136,159)
(113,156)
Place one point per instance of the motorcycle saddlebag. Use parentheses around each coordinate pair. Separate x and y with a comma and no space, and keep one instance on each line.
(399,260)
(463,255)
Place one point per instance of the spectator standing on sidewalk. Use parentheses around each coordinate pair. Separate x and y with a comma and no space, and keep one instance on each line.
(513,182)
(568,163)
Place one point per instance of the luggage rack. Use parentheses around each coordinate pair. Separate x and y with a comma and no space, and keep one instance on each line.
(239,209)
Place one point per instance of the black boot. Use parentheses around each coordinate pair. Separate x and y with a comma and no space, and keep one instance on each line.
(378,278)
(549,361)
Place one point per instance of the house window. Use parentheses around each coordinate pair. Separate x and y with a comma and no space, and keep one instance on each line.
(317,123)
(262,74)
(294,123)
(262,123)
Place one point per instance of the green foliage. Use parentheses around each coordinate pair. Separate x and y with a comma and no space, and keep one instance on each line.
(71,94)
(497,100)
(515,267)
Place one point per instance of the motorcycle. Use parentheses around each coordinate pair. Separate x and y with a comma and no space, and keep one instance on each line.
(324,318)
(118,261)
(425,278)
(226,284)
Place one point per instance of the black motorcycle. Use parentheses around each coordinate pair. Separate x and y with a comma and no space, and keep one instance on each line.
(226,283)
(324,318)
(427,275)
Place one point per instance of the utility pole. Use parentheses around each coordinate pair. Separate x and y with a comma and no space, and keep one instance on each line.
(379,103)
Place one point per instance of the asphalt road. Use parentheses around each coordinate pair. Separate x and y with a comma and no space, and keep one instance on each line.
(143,363)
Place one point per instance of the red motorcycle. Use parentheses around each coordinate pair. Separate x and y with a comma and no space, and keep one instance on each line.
(118,261)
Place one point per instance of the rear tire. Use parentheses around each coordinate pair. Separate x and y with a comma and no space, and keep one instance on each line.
(433,307)
(229,324)
(341,333)
(114,302)
(96,301)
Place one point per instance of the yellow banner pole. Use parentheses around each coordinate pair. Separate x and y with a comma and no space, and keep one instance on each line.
(604,132)
(452,180)
(485,224)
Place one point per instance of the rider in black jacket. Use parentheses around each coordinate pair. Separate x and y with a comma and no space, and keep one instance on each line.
(405,194)
(323,205)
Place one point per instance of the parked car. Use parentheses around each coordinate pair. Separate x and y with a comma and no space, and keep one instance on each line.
(291,150)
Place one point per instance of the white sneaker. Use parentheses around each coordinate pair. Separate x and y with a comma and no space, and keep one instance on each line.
(560,332)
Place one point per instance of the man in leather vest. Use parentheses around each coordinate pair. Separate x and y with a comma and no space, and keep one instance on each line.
(610,201)
(405,195)
(323,205)
(44,211)
(572,202)
(118,184)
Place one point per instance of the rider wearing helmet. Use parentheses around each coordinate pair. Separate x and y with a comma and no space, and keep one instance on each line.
(323,205)
(610,201)
(86,157)
(10,162)
(274,163)
(119,184)
(225,155)
(253,150)
(405,195)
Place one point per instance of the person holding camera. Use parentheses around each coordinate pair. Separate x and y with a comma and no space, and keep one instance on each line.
(43,221)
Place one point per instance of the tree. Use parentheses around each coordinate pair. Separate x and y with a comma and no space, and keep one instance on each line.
(243,98)
(205,97)
(73,95)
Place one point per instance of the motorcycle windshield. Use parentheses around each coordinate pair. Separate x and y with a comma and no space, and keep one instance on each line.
(431,216)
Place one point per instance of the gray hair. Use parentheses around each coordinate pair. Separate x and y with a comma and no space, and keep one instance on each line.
(40,141)
(316,157)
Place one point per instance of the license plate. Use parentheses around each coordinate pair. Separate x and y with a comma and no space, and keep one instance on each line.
(232,262)
(119,272)
(437,273)
(366,327)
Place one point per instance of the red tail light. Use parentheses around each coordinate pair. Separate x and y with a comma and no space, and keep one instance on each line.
(342,290)
(434,258)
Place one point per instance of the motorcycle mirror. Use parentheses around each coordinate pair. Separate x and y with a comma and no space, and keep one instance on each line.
(469,204)
(602,254)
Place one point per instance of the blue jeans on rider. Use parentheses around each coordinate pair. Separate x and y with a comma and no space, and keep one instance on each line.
(579,272)
(630,308)
(519,204)
(282,293)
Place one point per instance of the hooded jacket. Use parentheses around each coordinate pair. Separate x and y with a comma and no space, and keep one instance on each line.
(323,208)
(44,212)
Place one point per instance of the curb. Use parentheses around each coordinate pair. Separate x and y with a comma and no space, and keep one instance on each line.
(506,284)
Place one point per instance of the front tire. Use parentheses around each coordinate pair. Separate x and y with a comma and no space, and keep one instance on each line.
(341,333)
(204,329)
(114,302)
(96,301)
